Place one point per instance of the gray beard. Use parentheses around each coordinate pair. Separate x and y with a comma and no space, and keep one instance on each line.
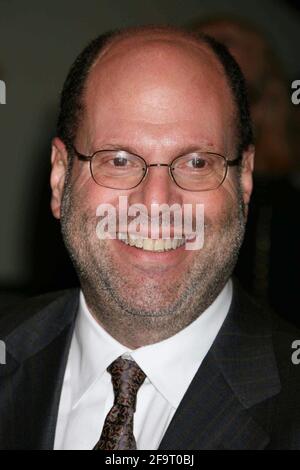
(135,314)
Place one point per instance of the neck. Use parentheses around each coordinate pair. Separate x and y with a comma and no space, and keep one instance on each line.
(137,330)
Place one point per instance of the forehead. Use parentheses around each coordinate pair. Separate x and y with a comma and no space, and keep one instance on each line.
(159,80)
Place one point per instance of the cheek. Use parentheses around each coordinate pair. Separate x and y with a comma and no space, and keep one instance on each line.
(218,203)
(89,195)
(221,203)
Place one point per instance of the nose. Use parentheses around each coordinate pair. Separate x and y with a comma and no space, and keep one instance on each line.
(157,187)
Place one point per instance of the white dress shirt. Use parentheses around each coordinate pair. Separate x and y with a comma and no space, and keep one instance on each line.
(169,365)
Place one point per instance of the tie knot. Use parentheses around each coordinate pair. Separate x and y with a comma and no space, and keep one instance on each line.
(127,377)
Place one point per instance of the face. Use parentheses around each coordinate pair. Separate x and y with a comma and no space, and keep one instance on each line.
(159,98)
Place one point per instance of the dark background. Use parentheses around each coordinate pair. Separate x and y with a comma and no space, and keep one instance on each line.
(38,42)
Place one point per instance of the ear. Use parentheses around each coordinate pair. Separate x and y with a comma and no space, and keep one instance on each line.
(246,175)
(59,163)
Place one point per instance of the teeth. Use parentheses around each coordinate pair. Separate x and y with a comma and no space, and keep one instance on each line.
(168,244)
(159,245)
(131,242)
(174,244)
(148,244)
(139,243)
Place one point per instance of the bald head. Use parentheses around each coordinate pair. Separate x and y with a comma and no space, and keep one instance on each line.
(151,56)
(134,38)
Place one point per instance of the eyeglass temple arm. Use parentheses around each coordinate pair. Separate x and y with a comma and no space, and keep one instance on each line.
(235,162)
(85,158)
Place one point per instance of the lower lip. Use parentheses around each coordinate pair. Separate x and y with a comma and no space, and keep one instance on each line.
(152,257)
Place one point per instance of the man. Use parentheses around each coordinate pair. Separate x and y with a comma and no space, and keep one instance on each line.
(160,349)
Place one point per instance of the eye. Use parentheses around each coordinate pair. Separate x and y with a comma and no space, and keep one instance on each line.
(197,163)
(120,161)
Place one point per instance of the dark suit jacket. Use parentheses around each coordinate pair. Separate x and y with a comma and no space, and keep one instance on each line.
(245,395)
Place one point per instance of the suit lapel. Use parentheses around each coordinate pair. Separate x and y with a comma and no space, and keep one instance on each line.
(211,417)
(238,373)
(37,353)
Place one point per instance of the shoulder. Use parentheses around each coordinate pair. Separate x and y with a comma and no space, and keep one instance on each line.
(276,343)
(262,323)
(280,339)
(28,310)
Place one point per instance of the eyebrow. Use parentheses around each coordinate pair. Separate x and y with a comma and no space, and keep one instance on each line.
(127,148)
(183,150)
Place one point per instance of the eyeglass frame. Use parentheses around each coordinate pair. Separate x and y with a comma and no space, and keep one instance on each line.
(88,158)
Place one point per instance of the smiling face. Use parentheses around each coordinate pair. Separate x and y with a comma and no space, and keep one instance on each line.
(158,97)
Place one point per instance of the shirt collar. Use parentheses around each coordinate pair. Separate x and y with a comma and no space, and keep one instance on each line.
(93,349)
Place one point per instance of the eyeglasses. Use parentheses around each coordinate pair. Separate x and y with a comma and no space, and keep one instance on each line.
(195,171)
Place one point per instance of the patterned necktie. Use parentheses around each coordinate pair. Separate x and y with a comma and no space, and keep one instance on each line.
(117,431)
